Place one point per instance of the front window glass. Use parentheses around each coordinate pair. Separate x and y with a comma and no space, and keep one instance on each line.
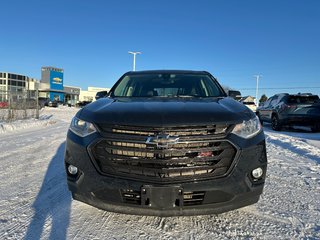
(274,101)
(167,85)
(303,99)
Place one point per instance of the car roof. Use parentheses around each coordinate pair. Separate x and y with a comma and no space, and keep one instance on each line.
(303,95)
(296,94)
(166,71)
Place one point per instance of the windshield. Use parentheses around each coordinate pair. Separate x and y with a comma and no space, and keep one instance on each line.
(167,85)
(303,99)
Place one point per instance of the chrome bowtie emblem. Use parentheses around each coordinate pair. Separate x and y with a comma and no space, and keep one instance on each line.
(162,140)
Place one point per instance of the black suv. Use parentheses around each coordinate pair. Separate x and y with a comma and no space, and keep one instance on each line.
(166,143)
(291,109)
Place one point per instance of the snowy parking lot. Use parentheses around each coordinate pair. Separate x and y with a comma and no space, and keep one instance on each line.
(35,202)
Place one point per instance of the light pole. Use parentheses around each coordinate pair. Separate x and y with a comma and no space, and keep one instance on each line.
(134,58)
(257,77)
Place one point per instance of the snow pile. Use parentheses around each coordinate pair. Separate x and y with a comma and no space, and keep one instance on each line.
(24,124)
(61,113)
(48,116)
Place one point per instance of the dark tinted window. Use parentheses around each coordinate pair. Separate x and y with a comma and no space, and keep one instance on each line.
(13,76)
(20,84)
(167,85)
(303,99)
(267,103)
(12,82)
(274,100)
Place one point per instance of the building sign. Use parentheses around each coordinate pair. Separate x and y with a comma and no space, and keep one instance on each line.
(71,90)
(56,85)
(56,80)
(75,91)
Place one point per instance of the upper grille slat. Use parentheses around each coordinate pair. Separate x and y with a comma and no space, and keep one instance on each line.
(220,129)
(190,152)
(165,151)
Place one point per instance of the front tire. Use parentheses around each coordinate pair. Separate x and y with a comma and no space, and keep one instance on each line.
(275,123)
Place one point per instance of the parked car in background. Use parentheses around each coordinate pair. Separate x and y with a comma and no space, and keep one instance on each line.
(53,103)
(101,94)
(291,109)
(4,104)
(43,101)
(83,103)
(61,103)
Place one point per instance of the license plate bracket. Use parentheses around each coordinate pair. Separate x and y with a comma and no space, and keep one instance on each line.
(163,197)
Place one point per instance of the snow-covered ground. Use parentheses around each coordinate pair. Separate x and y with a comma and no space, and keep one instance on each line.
(35,202)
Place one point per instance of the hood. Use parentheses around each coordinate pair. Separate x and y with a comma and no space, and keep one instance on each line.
(163,112)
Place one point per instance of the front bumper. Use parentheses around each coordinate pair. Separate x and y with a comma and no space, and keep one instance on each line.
(196,197)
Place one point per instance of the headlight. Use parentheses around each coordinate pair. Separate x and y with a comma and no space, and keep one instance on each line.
(248,129)
(81,128)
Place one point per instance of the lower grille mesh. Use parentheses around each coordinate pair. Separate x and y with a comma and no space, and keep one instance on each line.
(189,198)
(193,198)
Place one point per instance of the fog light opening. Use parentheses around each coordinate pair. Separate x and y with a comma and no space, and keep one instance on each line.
(72,170)
(257,173)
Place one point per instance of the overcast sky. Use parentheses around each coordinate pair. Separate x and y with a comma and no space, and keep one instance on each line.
(233,40)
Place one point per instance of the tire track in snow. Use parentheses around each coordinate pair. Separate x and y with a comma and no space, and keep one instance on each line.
(35,150)
(88,223)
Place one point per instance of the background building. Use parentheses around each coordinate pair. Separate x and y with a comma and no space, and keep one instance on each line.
(71,95)
(89,95)
(17,85)
(51,84)
(247,99)
(16,82)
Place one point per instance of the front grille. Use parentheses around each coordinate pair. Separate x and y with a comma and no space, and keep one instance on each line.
(198,152)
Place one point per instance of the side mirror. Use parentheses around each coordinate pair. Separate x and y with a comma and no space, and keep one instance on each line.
(101,94)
